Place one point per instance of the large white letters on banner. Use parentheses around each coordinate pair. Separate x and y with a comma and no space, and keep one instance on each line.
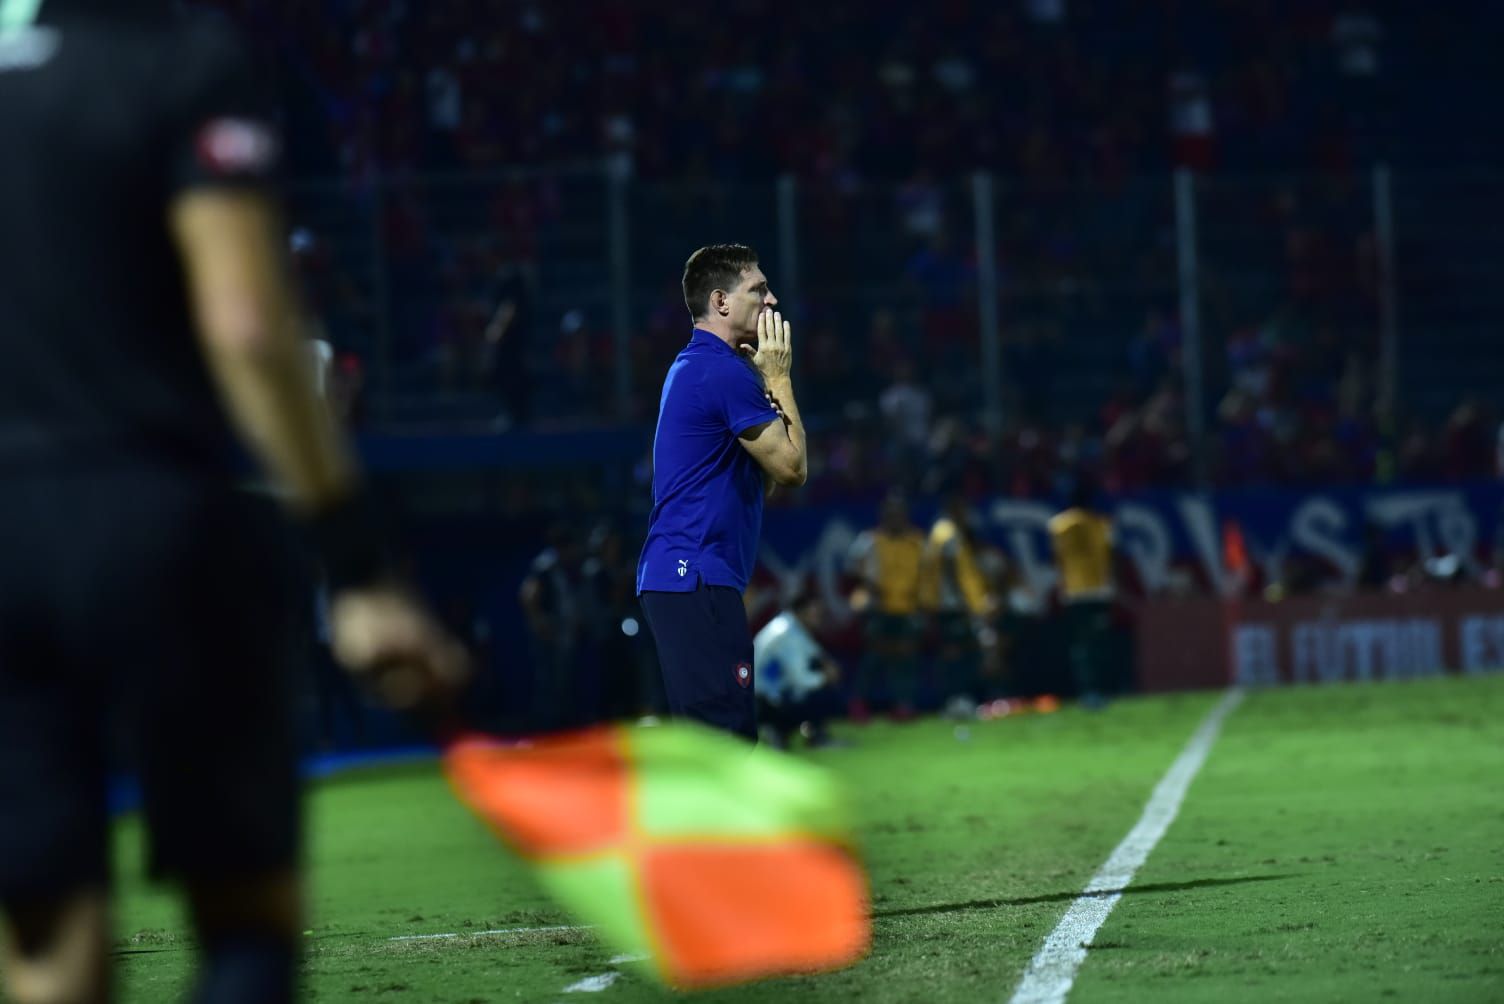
(1025,527)
(1143,536)
(1441,521)
(1318,527)
(1157,533)
(1206,539)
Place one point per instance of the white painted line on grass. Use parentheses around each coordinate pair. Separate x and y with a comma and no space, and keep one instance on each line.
(593,984)
(478,934)
(1053,971)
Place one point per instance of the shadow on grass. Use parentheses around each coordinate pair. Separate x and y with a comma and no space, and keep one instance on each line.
(914,911)
(1062,897)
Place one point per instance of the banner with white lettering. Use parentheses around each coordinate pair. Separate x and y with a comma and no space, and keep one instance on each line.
(1202,642)
(1176,539)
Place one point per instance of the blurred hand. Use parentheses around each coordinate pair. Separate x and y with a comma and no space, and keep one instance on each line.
(861,599)
(390,642)
(772,357)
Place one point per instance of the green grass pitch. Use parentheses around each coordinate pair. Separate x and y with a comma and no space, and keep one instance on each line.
(1341,843)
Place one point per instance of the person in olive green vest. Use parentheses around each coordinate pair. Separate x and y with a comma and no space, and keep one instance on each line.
(888,560)
(1082,541)
(955,587)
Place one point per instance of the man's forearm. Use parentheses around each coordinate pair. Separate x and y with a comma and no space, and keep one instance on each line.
(272,402)
(251,336)
(782,389)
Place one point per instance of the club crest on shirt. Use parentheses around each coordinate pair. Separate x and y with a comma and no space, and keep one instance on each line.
(744,674)
(236,146)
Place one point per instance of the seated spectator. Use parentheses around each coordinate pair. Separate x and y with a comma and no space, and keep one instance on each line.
(795,678)
(907,407)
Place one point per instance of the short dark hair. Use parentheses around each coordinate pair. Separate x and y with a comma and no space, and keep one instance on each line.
(719,266)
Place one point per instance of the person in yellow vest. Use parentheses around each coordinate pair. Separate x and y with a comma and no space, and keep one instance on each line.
(887,560)
(1082,541)
(955,587)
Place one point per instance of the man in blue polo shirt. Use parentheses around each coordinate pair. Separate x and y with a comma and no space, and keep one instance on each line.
(728,430)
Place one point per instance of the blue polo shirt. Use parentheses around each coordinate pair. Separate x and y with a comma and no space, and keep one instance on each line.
(707,489)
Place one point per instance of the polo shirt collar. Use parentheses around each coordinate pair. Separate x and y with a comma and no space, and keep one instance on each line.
(703,337)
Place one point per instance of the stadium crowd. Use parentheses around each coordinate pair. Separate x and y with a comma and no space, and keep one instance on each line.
(401,90)
(1033,88)
(458,225)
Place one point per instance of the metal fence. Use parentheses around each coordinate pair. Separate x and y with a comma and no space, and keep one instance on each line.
(1011,303)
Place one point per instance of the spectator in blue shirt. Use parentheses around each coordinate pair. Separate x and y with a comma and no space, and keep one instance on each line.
(728,430)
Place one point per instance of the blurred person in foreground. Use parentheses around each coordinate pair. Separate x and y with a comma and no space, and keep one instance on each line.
(888,560)
(149,324)
(796,678)
(1081,536)
(957,590)
(728,431)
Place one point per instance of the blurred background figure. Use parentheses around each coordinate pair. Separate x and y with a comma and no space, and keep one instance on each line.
(887,561)
(1082,540)
(795,679)
(957,590)
(507,337)
(614,631)
(557,604)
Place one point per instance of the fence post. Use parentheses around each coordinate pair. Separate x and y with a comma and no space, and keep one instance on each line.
(620,267)
(987,290)
(787,198)
(1189,269)
(1389,338)
(381,294)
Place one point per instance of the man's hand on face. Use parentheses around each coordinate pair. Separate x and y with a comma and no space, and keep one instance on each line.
(772,356)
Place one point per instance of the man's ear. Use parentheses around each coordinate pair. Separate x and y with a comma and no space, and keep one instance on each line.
(718,302)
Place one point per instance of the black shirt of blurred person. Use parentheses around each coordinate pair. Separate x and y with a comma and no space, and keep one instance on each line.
(101,356)
(558,607)
(888,560)
(1082,540)
(795,677)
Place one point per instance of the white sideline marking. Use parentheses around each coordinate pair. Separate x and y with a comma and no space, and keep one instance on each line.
(593,984)
(1053,970)
(477,934)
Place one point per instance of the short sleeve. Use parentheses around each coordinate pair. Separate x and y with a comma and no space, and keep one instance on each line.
(222,130)
(739,397)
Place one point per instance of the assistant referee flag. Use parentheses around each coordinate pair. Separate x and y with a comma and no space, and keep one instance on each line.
(715,863)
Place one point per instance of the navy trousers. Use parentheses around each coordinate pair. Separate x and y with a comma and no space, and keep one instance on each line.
(705,649)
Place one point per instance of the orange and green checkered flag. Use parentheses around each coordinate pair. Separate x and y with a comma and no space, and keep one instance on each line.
(716,862)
